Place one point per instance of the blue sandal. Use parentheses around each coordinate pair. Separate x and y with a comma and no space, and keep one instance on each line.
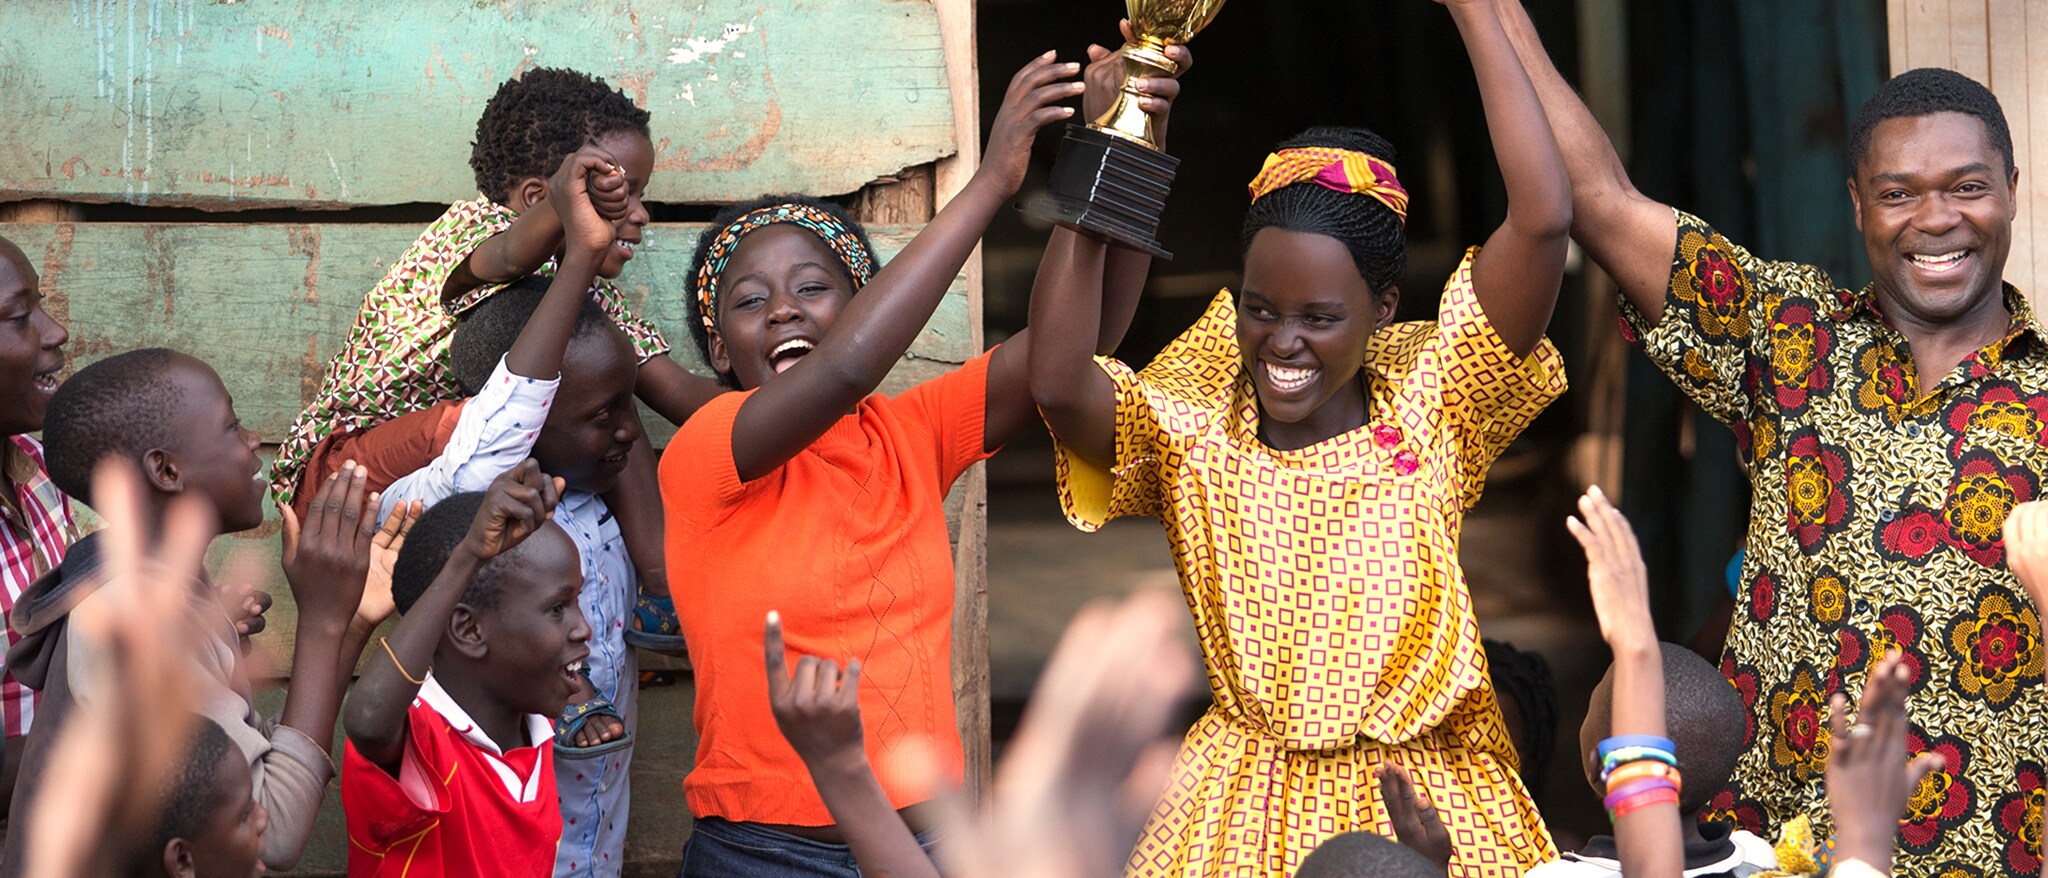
(576,716)
(655,627)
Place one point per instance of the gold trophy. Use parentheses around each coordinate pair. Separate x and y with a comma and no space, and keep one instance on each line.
(1111,179)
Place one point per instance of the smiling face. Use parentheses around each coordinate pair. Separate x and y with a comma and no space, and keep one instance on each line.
(213,456)
(593,423)
(779,295)
(534,630)
(1304,320)
(1935,204)
(634,154)
(31,345)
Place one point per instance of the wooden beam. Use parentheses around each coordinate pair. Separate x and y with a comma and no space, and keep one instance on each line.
(2007,22)
(1969,39)
(38,212)
(269,305)
(899,199)
(300,103)
(1895,18)
(971,686)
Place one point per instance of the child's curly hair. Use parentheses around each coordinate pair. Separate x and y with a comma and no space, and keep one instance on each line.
(536,120)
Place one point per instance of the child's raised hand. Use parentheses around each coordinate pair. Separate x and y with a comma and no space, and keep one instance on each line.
(327,557)
(377,604)
(1028,105)
(1868,776)
(2026,548)
(1105,76)
(573,194)
(1416,824)
(519,502)
(817,707)
(1615,571)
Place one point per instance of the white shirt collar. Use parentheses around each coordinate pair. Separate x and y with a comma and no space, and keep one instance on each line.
(538,730)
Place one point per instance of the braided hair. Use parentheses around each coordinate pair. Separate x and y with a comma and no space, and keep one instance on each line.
(1369,229)
(1925,91)
(538,119)
(725,218)
(1525,678)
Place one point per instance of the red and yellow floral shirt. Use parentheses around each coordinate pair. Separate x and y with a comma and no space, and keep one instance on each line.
(1877,501)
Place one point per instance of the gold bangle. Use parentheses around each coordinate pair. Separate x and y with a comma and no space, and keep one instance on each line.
(401,668)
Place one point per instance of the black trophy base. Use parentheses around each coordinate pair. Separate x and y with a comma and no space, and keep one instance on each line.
(1108,186)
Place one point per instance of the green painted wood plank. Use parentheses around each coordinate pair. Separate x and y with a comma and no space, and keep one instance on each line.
(269,305)
(301,103)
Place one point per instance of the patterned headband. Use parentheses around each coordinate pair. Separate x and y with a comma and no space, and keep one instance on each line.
(860,264)
(1340,169)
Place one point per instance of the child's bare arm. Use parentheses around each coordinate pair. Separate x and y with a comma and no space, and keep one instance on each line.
(786,415)
(1081,304)
(519,502)
(533,237)
(818,710)
(1517,275)
(1648,839)
(326,561)
(1868,775)
(537,352)
(672,391)
(1629,234)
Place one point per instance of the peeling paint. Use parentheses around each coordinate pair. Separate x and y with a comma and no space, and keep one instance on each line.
(695,48)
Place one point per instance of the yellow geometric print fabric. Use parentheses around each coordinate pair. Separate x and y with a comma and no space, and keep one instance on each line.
(1326,592)
(1878,496)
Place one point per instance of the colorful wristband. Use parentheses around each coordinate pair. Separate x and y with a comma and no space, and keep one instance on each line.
(1643,800)
(1619,741)
(1640,769)
(1621,793)
(1626,755)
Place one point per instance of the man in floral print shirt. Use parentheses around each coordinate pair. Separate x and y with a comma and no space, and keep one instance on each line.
(1888,432)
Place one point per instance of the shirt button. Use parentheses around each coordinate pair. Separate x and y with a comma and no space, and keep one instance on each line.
(1912,431)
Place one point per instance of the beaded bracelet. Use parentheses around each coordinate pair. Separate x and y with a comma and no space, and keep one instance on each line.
(1619,741)
(1640,769)
(1643,800)
(1626,755)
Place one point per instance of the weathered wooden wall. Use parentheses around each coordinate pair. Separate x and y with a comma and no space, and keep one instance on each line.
(333,105)
(2003,44)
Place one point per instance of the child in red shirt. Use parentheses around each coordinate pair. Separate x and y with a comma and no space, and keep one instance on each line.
(449,768)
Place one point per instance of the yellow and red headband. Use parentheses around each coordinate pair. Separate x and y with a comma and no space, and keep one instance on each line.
(1340,169)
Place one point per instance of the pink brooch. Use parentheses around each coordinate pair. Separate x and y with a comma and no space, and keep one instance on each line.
(1386,435)
(1405,462)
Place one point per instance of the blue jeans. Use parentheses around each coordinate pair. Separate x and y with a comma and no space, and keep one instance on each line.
(724,849)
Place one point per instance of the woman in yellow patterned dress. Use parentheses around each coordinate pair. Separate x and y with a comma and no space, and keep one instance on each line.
(1312,465)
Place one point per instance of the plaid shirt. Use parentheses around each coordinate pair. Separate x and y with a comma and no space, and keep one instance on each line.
(38,528)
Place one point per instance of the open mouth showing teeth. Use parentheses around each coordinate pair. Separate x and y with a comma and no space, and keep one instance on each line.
(1942,262)
(1288,380)
(46,383)
(787,353)
(626,246)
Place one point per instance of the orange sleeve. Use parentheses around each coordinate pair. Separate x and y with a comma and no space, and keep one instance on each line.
(953,408)
(698,474)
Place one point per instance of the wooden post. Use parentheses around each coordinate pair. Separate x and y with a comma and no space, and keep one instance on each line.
(970,558)
(38,212)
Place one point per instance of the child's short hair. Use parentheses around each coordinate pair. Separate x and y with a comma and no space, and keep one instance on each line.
(487,331)
(1365,855)
(121,406)
(719,235)
(1373,233)
(189,798)
(1525,678)
(428,545)
(1703,715)
(1925,91)
(538,119)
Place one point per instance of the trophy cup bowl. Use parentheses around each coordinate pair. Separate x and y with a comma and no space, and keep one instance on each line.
(1111,179)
